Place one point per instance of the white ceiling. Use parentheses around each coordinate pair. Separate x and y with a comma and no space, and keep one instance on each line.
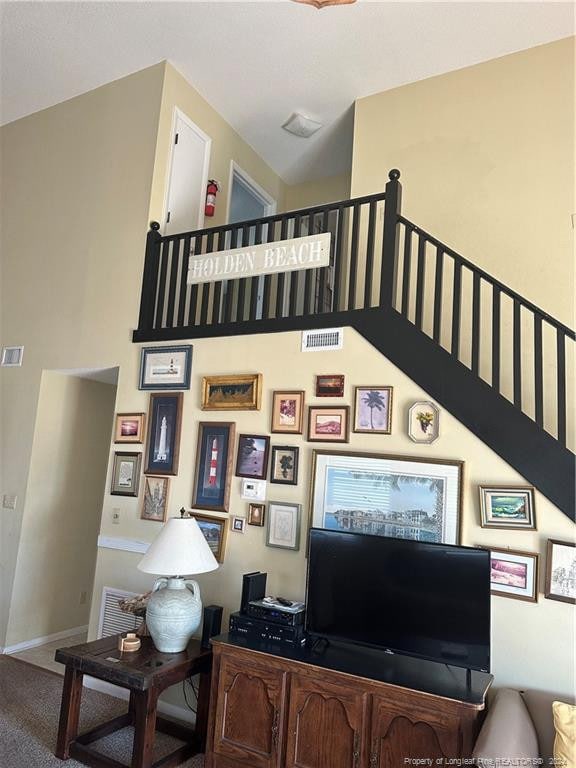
(257,62)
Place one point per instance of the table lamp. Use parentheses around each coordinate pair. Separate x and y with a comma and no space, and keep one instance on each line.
(174,610)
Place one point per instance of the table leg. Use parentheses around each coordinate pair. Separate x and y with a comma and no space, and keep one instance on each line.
(69,712)
(202,708)
(144,708)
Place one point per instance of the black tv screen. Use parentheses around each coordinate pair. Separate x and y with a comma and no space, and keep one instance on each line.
(411,597)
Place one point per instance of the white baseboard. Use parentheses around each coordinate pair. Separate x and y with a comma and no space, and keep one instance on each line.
(164,707)
(24,646)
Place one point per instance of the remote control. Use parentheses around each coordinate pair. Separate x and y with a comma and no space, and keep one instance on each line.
(283,601)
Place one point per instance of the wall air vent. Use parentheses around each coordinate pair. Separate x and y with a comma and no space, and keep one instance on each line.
(112,619)
(11,357)
(323,340)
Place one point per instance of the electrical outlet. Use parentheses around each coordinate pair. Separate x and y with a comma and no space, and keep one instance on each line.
(116,516)
(83,598)
(9,501)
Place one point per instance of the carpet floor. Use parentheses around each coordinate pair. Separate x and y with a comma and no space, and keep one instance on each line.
(29,711)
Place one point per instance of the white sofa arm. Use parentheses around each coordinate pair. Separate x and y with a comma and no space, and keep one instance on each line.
(508,733)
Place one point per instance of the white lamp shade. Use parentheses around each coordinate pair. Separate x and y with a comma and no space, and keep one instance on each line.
(180,549)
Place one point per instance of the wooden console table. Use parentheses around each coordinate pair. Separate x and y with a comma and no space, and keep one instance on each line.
(281,707)
(145,673)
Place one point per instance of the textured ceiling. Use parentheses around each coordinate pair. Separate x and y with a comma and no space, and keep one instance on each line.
(258,62)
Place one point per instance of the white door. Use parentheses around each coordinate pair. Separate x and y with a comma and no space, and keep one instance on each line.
(189,161)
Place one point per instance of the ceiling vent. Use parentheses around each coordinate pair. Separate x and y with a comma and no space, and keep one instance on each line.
(301,126)
(11,357)
(324,340)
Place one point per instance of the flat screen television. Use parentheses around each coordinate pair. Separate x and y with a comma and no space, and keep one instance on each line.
(426,600)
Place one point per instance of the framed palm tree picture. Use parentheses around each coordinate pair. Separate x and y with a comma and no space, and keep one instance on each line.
(399,496)
(373,410)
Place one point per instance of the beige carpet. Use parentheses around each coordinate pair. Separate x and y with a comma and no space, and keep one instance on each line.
(29,712)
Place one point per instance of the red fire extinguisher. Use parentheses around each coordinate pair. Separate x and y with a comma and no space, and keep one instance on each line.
(211,191)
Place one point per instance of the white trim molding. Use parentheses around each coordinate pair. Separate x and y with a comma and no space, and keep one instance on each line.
(124,545)
(257,190)
(26,644)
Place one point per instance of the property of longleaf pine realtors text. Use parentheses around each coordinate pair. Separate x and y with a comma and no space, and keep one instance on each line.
(309,252)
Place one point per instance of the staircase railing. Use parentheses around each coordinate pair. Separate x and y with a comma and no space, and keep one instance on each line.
(378,259)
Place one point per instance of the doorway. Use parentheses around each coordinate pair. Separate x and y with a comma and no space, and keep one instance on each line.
(247,201)
(187,176)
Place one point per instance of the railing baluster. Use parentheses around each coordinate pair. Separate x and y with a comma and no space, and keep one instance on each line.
(475,355)
(561,384)
(172,282)
(496,296)
(309,273)
(538,381)
(229,299)
(183,280)
(321,281)
(206,286)
(420,277)
(437,327)
(517,354)
(254,280)
(294,281)
(338,258)
(406,270)
(268,279)
(194,290)
(456,305)
(240,306)
(159,321)
(370,255)
(353,257)
(281,275)
(217,298)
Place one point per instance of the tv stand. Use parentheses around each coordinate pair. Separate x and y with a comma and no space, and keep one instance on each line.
(281,707)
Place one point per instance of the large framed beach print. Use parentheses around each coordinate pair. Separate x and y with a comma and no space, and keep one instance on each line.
(398,496)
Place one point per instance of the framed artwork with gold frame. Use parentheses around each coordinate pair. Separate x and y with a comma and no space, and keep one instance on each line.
(242,392)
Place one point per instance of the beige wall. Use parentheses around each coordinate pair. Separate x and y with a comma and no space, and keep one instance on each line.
(487,161)
(57,552)
(227,145)
(532,643)
(328,190)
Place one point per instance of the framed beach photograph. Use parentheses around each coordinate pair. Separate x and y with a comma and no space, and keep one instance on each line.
(256,514)
(163,444)
(214,530)
(561,571)
(514,574)
(125,473)
(373,410)
(283,525)
(287,412)
(330,385)
(399,496)
(507,507)
(232,393)
(165,367)
(423,422)
(155,501)
(214,456)
(284,464)
(129,428)
(252,459)
(328,424)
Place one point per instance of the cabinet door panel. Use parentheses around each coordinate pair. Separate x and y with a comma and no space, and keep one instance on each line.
(249,713)
(324,724)
(402,730)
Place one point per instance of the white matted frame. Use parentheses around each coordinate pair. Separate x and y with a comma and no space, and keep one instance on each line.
(283,525)
(399,496)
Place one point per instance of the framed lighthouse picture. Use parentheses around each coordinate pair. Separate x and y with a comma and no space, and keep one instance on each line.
(214,457)
(163,445)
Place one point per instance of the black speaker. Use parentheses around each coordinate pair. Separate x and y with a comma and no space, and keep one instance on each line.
(211,625)
(253,588)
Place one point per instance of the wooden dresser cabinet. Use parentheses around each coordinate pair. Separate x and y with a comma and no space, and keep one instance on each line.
(346,708)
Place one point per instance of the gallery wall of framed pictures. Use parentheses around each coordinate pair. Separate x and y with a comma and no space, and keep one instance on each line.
(277,443)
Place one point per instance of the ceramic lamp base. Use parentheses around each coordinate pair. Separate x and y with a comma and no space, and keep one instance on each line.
(173,613)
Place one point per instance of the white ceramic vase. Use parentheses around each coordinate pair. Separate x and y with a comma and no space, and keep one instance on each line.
(173,613)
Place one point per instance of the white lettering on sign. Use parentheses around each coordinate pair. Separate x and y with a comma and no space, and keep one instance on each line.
(309,252)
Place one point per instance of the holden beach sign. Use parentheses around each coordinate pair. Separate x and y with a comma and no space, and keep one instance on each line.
(309,252)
